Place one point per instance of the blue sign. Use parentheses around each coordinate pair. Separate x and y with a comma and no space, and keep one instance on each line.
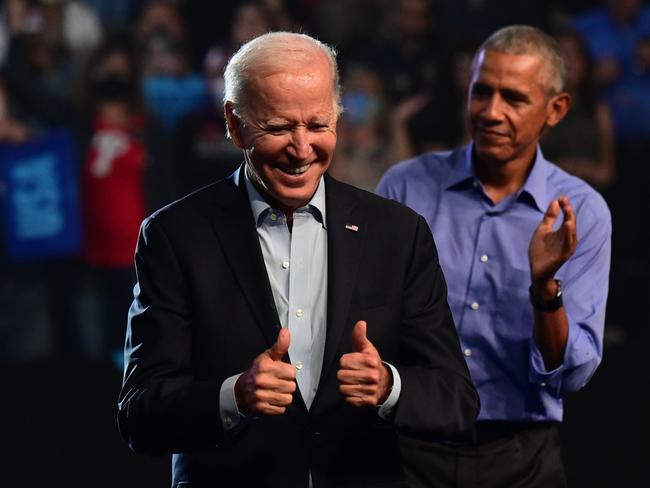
(40,198)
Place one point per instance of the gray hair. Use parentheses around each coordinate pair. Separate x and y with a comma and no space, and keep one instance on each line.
(524,39)
(267,50)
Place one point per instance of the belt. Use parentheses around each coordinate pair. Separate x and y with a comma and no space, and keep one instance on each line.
(489,431)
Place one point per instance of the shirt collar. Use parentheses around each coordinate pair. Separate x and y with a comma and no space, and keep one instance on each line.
(535,184)
(259,206)
(462,175)
(461,172)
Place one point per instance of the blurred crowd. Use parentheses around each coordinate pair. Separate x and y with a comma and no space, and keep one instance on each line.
(109,109)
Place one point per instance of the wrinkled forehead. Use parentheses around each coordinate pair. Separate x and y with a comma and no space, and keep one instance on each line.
(290,59)
(291,74)
(522,68)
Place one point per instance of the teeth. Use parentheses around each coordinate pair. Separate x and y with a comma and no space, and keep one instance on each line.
(296,171)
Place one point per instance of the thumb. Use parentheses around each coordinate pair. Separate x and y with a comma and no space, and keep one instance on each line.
(359,338)
(281,346)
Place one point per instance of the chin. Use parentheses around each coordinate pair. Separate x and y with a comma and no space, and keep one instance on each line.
(491,153)
(292,197)
(296,200)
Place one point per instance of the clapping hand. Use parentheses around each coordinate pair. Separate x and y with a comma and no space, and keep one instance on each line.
(550,249)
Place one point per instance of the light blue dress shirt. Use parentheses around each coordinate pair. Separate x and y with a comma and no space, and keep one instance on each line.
(296,264)
(483,249)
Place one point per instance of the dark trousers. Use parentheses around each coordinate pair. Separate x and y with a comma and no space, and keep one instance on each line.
(494,455)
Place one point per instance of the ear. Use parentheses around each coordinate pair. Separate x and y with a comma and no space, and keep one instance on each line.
(557,108)
(235,125)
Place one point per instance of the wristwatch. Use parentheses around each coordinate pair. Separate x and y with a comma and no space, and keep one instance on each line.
(546,305)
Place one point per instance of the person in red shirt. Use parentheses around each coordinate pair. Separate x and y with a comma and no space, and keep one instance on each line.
(115,200)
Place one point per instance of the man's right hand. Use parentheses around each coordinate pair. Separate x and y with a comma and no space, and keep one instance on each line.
(267,386)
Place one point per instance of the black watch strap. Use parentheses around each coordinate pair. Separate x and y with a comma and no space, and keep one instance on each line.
(546,305)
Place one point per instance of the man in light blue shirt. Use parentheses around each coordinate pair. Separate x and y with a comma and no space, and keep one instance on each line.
(525,248)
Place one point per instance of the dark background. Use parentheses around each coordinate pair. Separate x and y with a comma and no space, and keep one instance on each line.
(58,406)
(59,427)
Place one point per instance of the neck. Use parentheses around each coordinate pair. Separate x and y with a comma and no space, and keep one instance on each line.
(114,112)
(501,179)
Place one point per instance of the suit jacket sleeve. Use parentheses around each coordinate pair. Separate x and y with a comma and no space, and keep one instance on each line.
(162,407)
(437,396)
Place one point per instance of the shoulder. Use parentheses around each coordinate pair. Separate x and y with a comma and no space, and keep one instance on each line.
(423,174)
(590,20)
(390,227)
(589,205)
(196,206)
(427,165)
(375,207)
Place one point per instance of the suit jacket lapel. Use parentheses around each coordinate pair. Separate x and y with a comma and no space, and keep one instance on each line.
(344,248)
(233,223)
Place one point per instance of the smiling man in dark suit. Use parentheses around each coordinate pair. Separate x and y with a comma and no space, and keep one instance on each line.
(285,325)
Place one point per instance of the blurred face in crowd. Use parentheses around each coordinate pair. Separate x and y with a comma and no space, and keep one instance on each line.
(414,18)
(509,104)
(623,11)
(113,78)
(114,63)
(161,19)
(249,22)
(362,99)
(576,61)
(288,133)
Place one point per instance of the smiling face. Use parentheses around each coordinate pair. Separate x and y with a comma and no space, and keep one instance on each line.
(509,104)
(289,132)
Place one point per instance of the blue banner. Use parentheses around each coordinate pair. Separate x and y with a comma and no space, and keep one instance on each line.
(40,198)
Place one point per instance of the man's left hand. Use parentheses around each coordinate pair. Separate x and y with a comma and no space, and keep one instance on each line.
(549,249)
(363,379)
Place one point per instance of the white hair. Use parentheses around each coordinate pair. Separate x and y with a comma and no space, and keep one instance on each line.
(270,50)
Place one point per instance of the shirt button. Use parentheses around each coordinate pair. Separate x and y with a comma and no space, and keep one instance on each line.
(228,421)
(543,384)
(484,258)
(474,306)
(274,217)
(285,264)
(298,365)
(299,313)
(467,352)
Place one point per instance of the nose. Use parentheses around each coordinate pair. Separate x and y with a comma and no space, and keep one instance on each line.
(492,109)
(300,145)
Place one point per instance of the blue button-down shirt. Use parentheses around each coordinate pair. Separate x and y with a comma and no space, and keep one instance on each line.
(483,251)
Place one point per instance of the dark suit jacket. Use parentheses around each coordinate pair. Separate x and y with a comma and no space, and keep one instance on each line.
(204,310)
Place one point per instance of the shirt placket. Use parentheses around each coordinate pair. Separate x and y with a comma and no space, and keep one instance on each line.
(278,247)
(479,302)
(300,313)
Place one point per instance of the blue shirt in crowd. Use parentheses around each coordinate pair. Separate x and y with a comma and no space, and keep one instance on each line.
(483,249)
(629,95)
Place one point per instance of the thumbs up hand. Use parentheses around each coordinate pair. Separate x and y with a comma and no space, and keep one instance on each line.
(363,379)
(267,386)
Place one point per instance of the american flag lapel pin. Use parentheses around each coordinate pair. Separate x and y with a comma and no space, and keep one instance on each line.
(352,227)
